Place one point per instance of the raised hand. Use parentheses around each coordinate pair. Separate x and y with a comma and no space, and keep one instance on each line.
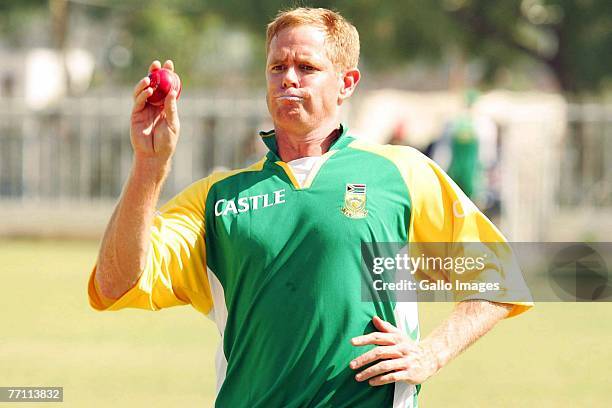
(154,130)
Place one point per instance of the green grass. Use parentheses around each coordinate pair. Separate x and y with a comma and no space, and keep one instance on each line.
(554,355)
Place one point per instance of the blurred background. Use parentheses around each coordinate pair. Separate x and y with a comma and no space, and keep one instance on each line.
(512,97)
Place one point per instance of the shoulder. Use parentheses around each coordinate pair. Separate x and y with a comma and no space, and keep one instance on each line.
(422,176)
(403,157)
(197,193)
(230,175)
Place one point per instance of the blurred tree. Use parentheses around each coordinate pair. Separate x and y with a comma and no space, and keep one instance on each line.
(14,14)
(188,31)
(571,38)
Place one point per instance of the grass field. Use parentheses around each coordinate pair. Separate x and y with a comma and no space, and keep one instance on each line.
(554,355)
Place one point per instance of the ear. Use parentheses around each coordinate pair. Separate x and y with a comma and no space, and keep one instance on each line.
(349,79)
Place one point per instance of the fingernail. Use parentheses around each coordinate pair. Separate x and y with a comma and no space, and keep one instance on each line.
(353,364)
(358,377)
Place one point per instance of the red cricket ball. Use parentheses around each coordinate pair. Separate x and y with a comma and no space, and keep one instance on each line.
(163,81)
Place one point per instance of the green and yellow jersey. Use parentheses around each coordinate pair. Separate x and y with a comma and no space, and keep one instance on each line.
(277,266)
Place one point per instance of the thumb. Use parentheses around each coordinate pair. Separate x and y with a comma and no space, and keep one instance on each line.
(384,326)
(171,110)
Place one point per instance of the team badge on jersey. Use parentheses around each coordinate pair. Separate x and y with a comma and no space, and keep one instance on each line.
(355,201)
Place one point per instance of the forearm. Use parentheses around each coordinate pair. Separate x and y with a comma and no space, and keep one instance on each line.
(467,323)
(123,251)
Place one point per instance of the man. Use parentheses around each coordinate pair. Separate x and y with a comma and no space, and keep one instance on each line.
(272,252)
(471,142)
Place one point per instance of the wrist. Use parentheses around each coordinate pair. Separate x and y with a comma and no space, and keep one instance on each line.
(438,356)
(151,168)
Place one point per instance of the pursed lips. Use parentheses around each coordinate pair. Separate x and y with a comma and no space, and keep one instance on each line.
(291,98)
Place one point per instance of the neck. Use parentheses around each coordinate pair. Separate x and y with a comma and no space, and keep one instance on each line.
(295,145)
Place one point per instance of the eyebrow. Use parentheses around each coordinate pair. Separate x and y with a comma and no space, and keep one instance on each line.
(300,57)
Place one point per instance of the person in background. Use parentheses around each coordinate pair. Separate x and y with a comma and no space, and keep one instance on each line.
(468,149)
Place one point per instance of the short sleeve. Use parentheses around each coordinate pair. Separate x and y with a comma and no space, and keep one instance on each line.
(442,213)
(175,272)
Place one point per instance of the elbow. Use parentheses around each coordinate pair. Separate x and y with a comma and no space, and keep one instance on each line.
(109,283)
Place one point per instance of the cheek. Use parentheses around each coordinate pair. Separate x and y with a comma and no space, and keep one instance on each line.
(325,90)
(270,90)
(331,92)
(272,81)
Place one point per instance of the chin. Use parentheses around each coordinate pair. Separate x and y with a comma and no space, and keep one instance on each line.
(290,122)
(293,116)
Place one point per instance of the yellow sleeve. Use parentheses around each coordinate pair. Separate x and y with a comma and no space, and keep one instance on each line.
(175,271)
(442,213)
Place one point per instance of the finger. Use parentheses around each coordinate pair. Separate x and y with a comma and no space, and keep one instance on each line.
(169,65)
(377,353)
(381,368)
(171,110)
(142,84)
(381,339)
(384,326)
(141,99)
(154,65)
(389,378)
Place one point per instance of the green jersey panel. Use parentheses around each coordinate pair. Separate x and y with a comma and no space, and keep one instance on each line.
(289,262)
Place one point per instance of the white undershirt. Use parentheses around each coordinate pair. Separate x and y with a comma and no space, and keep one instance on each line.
(302,167)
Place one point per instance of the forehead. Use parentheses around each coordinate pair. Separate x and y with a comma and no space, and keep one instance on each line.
(302,39)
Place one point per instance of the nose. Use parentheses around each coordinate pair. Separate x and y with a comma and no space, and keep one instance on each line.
(290,79)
